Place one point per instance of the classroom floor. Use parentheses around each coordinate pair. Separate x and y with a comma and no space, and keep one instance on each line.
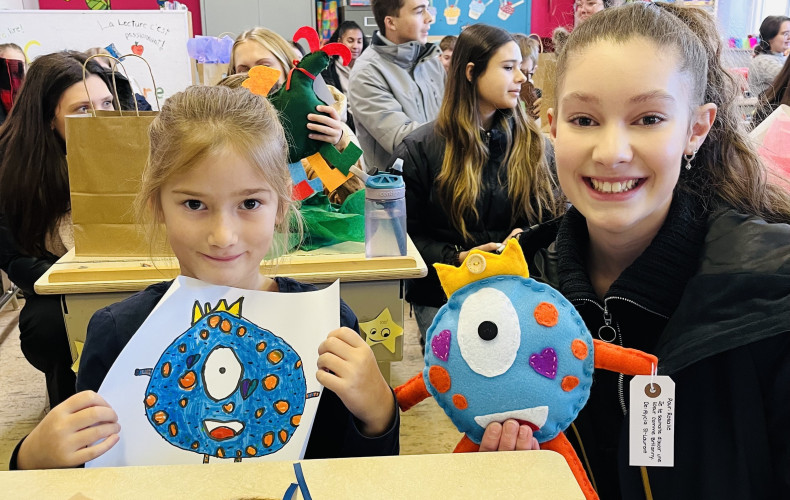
(424,429)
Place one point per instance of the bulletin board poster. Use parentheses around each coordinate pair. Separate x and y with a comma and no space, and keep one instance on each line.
(192,5)
(158,36)
(453,15)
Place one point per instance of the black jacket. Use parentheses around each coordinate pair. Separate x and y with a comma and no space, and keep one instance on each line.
(23,270)
(710,297)
(427,222)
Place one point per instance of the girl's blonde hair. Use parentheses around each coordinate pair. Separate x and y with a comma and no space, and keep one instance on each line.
(726,168)
(203,121)
(530,183)
(271,41)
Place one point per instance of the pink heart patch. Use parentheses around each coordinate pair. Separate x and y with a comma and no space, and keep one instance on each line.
(545,363)
(440,345)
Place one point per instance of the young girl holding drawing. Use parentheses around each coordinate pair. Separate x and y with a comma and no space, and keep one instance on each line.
(479,170)
(675,245)
(35,212)
(217,178)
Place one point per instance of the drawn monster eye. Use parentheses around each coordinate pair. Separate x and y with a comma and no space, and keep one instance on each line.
(222,373)
(489,333)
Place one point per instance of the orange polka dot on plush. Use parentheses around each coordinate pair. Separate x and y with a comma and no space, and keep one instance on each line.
(569,383)
(439,378)
(460,402)
(546,314)
(579,349)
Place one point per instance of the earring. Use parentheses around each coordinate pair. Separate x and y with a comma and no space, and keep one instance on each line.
(689,159)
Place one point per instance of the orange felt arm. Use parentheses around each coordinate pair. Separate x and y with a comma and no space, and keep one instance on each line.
(561,445)
(411,392)
(619,359)
(466,445)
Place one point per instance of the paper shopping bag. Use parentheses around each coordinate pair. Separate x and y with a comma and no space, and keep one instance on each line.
(211,73)
(106,152)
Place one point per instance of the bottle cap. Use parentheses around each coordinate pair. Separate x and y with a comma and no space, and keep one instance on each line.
(385,187)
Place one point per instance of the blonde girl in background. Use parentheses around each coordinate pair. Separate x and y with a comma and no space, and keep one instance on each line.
(264,47)
(217,178)
(480,170)
(676,245)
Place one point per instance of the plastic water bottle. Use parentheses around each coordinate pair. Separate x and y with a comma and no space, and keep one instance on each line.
(385,216)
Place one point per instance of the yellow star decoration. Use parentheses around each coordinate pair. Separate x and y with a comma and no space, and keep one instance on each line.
(382,330)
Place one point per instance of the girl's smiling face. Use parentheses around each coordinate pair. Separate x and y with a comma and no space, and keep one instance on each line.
(623,122)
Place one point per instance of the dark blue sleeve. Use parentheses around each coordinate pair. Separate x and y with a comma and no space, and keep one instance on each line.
(100,351)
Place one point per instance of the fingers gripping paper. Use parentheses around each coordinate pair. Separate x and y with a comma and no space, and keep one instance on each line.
(219,373)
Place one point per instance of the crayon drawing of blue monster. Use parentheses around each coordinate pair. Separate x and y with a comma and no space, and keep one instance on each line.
(226,387)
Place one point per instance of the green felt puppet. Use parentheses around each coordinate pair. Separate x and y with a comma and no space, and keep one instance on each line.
(297,98)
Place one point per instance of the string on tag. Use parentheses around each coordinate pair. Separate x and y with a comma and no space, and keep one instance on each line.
(653,370)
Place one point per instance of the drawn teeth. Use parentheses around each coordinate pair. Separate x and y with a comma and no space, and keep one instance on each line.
(613,187)
(231,424)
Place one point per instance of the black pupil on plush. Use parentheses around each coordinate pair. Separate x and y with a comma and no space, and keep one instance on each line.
(487,330)
(222,370)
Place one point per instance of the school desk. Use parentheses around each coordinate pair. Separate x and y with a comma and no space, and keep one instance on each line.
(367,285)
(537,475)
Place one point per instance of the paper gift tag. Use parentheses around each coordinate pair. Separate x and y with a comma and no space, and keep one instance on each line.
(652,421)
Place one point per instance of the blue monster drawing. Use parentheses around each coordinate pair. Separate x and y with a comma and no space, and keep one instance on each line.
(226,387)
(507,347)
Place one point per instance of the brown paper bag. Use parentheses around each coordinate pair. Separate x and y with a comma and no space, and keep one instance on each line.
(106,153)
(544,78)
(211,73)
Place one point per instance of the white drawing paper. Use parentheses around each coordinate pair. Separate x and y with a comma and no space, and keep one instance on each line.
(219,374)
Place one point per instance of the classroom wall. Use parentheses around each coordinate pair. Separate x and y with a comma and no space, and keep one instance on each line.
(548,14)
(734,18)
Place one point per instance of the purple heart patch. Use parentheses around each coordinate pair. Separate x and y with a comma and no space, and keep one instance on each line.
(441,345)
(545,363)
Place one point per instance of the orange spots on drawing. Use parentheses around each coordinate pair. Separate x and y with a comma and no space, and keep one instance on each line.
(275,356)
(173,429)
(283,435)
(187,382)
(225,326)
(204,334)
(268,439)
(579,349)
(160,417)
(182,348)
(546,314)
(459,401)
(281,406)
(296,420)
(183,402)
(260,347)
(569,383)
(166,369)
(298,363)
(213,321)
(251,451)
(241,331)
(150,400)
(270,382)
(194,445)
(220,453)
(258,412)
(228,407)
(440,378)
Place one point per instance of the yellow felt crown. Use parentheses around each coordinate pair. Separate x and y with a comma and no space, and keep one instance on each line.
(479,265)
(198,313)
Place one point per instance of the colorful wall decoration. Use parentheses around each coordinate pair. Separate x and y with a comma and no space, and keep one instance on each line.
(453,15)
(192,5)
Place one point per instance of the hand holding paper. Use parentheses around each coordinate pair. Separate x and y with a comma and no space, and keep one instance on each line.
(68,435)
(347,367)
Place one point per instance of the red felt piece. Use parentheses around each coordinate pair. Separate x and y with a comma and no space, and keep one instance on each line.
(619,359)
(466,445)
(411,392)
(310,34)
(302,191)
(338,49)
(561,445)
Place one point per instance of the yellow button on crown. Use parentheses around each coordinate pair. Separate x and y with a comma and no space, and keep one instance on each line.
(476,263)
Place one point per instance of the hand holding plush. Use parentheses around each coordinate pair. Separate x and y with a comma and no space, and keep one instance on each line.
(506,347)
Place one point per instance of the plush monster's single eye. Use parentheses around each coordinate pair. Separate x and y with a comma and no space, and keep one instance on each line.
(488,332)
(222,373)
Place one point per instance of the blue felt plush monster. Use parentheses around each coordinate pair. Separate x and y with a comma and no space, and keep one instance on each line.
(226,387)
(507,347)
